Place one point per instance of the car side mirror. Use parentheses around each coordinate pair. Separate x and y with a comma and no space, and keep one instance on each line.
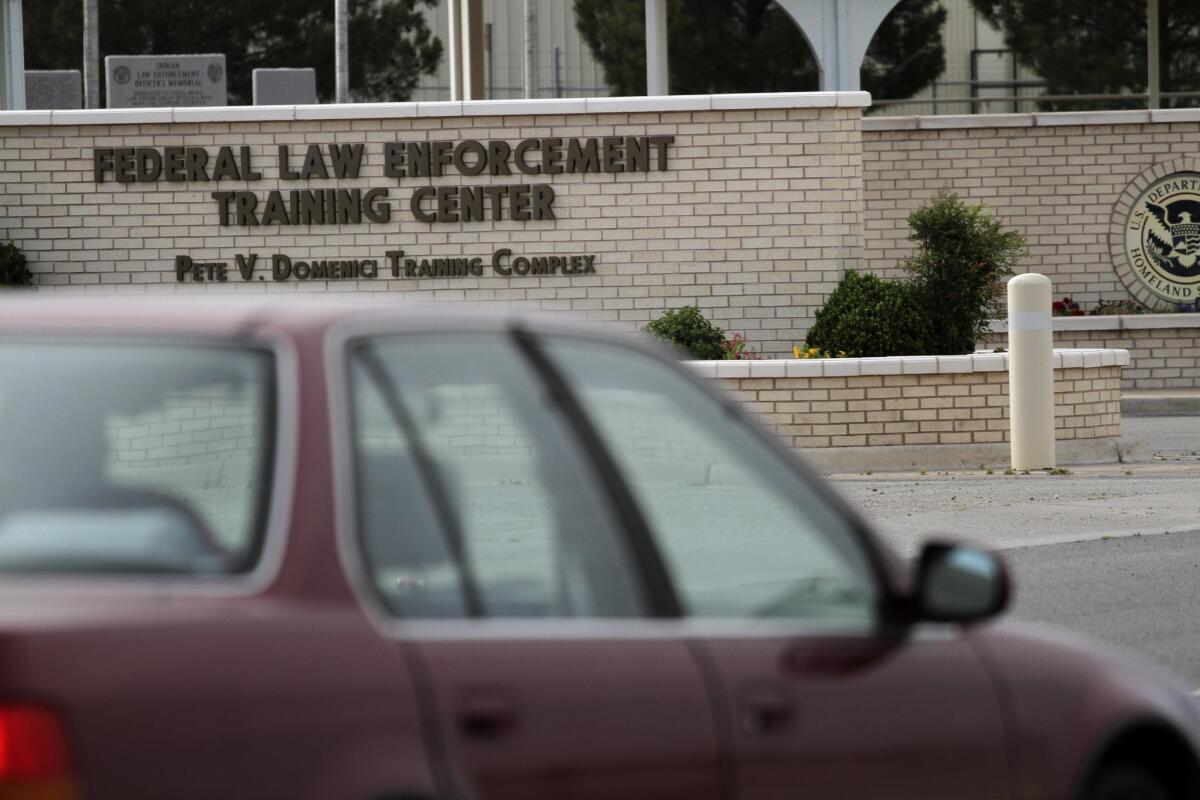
(958,583)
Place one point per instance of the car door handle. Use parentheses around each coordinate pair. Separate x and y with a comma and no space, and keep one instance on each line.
(486,716)
(766,711)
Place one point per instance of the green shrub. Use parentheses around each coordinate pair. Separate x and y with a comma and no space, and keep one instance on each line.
(687,328)
(13,269)
(963,256)
(868,316)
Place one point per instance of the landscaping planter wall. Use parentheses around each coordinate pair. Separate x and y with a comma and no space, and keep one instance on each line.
(1164,349)
(918,400)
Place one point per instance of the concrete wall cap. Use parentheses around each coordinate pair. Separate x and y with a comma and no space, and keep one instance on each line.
(233,114)
(732,369)
(954,364)
(976,121)
(889,123)
(111,116)
(1154,321)
(25,117)
(1070,359)
(1114,322)
(357,111)
(1175,115)
(1064,358)
(989,362)
(1043,119)
(880,366)
(803,368)
(918,365)
(630,105)
(1092,323)
(728,102)
(1053,118)
(773,368)
(841,367)
(521,107)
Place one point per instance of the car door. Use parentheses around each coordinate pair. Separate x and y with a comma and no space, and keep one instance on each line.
(491,543)
(825,699)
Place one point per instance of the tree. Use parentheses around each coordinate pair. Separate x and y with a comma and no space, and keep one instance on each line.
(1099,46)
(720,46)
(391,46)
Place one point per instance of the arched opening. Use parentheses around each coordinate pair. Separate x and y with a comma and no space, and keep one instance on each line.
(712,49)
(906,53)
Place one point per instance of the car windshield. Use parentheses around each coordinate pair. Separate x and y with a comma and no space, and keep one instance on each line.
(132,458)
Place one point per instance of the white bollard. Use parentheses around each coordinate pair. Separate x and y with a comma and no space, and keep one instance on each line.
(1030,372)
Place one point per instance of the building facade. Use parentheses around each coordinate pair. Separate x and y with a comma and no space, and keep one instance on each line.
(564,65)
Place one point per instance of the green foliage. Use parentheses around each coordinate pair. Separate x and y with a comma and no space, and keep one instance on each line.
(868,316)
(1099,46)
(13,269)
(754,46)
(391,46)
(687,328)
(963,256)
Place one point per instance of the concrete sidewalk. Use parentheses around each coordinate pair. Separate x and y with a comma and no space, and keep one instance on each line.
(1157,496)
(1160,402)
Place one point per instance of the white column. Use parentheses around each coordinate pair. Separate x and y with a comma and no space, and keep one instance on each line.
(1153,88)
(531,48)
(471,43)
(12,56)
(656,48)
(341,52)
(454,48)
(1030,372)
(91,53)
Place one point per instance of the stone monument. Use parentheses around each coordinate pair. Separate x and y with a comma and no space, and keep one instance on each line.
(165,81)
(53,88)
(284,87)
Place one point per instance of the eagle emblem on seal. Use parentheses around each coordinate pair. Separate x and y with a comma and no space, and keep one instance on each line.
(1173,236)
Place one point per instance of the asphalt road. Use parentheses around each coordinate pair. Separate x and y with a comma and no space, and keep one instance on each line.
(1112,552)
(1140,594)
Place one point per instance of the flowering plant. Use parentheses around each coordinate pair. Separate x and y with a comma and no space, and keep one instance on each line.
(807,351)
(734,349)
(1067,308)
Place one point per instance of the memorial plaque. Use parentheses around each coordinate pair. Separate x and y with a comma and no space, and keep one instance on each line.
(285,87)
(53,89)
(165,81)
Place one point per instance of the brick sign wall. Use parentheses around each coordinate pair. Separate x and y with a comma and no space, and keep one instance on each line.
(750,206)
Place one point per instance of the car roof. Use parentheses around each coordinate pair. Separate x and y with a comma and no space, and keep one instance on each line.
(232,316)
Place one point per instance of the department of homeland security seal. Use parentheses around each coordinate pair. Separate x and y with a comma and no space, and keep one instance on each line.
(1162,237)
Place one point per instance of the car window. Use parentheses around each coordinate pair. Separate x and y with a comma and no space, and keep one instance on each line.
(473,498)
(743,533)
(125,458)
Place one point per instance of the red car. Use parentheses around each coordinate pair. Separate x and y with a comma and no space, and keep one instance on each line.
(368,552)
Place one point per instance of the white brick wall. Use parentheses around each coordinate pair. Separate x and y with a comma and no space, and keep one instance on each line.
(755,220)
(1057,178)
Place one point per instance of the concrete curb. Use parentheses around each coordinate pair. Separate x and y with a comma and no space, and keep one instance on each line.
(917,457)
(1160,405)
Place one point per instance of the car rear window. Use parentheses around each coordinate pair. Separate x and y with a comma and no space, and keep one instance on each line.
(132,458)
